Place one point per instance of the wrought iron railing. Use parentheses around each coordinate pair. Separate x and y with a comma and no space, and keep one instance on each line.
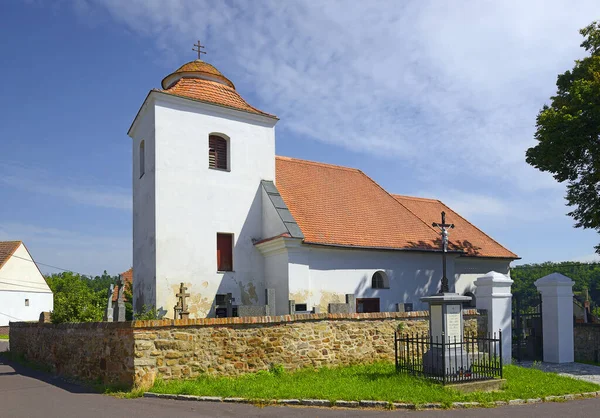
(450,360)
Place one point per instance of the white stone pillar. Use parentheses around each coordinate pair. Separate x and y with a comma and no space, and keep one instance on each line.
(557,317)
(493,294)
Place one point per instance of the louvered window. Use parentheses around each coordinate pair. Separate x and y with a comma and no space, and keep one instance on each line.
(217,152)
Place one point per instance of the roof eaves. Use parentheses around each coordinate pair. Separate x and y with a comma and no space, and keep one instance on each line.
(256,112)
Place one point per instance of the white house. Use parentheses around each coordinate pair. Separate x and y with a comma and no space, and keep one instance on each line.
(214,208)
(24,293)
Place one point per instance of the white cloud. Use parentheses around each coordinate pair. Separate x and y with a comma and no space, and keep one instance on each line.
(401,80)
(41,182)
(71,250)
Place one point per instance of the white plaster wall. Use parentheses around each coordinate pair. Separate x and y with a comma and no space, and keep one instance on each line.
(20,279)
(329,274)
(13,309)
(21,274)
(277,277)
(144,213)
(469,269)
(194,202)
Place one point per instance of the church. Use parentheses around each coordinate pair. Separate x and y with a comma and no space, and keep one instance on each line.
(215,208)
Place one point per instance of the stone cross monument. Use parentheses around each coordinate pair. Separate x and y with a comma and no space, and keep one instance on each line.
(445,317)
(108,313)
(120,314)
(181,308)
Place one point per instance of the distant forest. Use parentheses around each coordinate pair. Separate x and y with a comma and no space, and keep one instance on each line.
(585,275)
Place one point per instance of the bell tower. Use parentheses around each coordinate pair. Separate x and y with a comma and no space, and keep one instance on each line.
(200,152)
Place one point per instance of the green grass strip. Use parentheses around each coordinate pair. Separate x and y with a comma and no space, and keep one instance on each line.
(3,336)
(369,382)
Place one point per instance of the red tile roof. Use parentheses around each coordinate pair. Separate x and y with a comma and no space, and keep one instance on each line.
(198,67)
(465,236)
(7,249)
(127,278)
(342,206)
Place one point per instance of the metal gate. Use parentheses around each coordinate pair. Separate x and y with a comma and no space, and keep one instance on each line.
(527,341)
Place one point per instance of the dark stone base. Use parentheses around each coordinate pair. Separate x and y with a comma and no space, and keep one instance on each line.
(434,362)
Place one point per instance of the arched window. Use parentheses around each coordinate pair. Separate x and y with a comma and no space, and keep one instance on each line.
(142,157)
(380,280)
(218,152)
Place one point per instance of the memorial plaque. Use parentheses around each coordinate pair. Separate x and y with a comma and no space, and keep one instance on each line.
(453,323)
(436,323)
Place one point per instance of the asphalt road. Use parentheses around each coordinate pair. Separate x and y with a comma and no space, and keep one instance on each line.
(25,393)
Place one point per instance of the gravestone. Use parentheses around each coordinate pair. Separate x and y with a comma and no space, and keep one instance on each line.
(120,309)
(108,313)
(346,308)
(292,306)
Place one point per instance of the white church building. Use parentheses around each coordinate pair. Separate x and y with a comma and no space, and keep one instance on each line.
(24,293)
(216,209)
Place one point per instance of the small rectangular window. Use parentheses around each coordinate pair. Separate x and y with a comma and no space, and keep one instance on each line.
(26,302)
(142,158)
(217,153)
(224,252)
(300,307)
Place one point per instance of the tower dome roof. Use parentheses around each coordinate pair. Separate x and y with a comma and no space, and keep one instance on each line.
(200,81)
(196,69)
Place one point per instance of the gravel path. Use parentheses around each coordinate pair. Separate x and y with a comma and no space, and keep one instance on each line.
(579,371)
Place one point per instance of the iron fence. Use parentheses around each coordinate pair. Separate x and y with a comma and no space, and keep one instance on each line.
(450,361)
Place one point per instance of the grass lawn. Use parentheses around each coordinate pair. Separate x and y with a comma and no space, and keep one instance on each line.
(374,382)
(3,336)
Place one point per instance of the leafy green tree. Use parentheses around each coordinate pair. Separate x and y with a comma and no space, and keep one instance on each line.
(75,299)
(568,134)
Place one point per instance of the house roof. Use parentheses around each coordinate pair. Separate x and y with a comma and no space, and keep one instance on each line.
(200,81)
(465,236)
(127,278)
(341,206)
(7,249)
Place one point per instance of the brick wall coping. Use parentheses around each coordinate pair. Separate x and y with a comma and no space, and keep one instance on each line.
(253,320)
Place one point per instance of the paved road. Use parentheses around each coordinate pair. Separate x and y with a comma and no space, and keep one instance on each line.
(29,394)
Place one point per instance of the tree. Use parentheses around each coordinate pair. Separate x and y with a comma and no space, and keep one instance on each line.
(568,134)
(74,298)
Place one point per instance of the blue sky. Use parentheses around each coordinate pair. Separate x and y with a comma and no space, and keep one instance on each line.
(429,98)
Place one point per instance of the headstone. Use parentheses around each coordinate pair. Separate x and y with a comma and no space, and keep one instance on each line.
(252,310)
(557,317)
(120,309)
(270,301)
(494,295)
(108,313)
(338,308)
(45,317)
(351,301)
(292,306)
(229,303)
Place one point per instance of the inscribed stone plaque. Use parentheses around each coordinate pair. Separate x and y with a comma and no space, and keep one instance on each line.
(453,323)
(436,322)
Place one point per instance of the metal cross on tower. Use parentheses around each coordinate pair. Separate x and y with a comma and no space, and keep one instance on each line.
(444,232)
(199,49)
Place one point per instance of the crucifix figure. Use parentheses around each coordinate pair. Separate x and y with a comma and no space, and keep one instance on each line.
(198,49)
(444,232)
(182,306)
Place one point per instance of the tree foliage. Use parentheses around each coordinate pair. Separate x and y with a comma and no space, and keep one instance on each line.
(568,134)
(80,299)
(585,275)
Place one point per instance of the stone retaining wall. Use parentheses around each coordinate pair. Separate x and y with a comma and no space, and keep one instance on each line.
(587,342)
(134,353)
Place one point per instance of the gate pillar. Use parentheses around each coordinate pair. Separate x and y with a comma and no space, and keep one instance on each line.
(557,317)
(493,294)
